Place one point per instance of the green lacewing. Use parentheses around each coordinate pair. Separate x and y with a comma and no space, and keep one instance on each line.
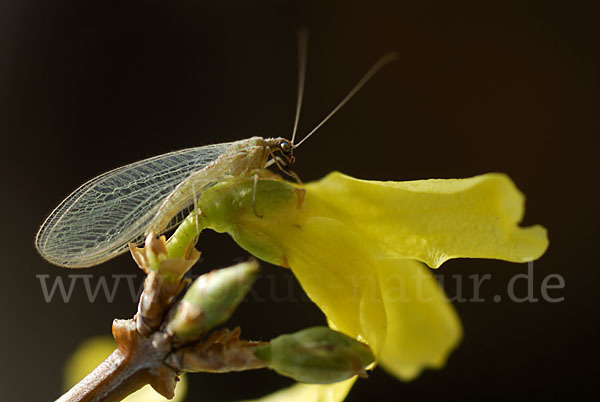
(98,220)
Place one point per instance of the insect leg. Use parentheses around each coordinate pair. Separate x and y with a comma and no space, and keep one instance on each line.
(290,173)
(195,210)
(254,188)
(285,170)
(293,174)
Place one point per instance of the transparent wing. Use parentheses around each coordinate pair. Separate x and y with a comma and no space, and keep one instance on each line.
(97,221)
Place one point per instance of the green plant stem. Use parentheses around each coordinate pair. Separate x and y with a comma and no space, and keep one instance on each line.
(185,234)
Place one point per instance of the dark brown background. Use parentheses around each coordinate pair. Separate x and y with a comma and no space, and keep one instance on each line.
(510,86)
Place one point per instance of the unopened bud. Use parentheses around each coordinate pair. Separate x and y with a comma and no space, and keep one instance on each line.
(317,355)
(211,300)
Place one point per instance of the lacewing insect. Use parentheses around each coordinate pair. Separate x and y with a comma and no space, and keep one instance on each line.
(99,219)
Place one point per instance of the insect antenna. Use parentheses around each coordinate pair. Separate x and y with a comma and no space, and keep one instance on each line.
(368,75)
(302,55)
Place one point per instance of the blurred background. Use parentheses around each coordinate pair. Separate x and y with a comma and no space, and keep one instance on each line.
(508,86)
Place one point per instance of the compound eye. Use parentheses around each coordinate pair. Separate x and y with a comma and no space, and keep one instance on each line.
(285,147)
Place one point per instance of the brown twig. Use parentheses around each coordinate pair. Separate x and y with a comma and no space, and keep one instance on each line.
(137,361)
(147,352)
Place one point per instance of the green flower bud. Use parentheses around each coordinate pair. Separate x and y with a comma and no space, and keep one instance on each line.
(211,300)
(317,355)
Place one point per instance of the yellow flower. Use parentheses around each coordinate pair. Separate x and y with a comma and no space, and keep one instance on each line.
(357,249)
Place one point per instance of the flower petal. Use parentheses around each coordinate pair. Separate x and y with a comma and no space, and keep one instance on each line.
(432,220)
(353,244)
(334,267)
(311,393)
(396,306)
(422,326)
